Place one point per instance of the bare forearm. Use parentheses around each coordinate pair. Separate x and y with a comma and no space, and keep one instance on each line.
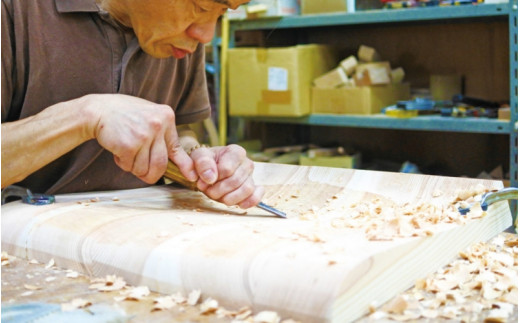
(33,142)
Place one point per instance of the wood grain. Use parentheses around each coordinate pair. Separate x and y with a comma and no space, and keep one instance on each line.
(173,239)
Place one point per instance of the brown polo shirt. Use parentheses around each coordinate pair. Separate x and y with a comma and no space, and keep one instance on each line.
(58,50)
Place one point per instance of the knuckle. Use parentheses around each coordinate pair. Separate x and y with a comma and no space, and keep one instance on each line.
(237,150)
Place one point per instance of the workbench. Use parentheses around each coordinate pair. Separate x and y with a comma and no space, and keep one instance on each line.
(352,241)
(57,288)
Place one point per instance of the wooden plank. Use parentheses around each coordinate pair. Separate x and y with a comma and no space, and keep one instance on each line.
(306,267)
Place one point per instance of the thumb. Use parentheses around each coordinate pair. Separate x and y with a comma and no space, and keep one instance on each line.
(179,157)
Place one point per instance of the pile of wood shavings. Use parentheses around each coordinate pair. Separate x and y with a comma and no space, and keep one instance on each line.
(384,220)
(482,285)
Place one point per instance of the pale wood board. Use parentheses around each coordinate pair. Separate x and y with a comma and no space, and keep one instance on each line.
(177,240)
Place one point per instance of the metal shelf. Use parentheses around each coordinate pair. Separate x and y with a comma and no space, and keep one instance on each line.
(374,16)
(505,11)
(424,123)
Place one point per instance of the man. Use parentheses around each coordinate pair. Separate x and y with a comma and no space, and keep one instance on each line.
(92,92)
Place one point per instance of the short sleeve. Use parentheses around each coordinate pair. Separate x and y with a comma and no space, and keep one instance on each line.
(7,60)
(194,105)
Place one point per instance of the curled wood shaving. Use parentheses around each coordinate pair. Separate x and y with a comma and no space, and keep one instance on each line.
(72,274)
(133,294)
(50,264)
(266,317)
(163,303)
(75,304)
(7,259)
(193,297)
(32,287)
(110,283)
(210,305)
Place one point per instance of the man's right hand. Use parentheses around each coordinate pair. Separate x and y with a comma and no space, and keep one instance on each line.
(141,134)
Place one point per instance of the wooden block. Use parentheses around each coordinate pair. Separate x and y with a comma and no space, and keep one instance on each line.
(504,113)
(397,75)
(373,74)
(349,65)
(318,265)
(350,83)
(378,75)
(367,54)
(332,79)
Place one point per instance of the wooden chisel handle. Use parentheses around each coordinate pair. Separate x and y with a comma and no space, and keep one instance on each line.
(174,173)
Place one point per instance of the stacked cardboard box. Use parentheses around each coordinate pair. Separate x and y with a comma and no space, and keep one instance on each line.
(275,81)
(359,85)
(265,8)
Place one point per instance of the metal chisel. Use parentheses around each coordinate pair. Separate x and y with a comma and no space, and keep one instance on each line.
(173,173)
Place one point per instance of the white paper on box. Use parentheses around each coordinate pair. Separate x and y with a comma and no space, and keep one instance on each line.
(277,79)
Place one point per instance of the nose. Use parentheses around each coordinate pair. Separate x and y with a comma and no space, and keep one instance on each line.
(202,32)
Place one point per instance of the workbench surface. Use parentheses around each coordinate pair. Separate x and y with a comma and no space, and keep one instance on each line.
(27,282)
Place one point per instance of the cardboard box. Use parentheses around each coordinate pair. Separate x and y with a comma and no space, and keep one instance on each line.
(311,7)
(358,100)
(275,81)
(265,8)
(345,161)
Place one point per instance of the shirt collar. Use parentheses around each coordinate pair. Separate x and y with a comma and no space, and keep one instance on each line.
(67,6)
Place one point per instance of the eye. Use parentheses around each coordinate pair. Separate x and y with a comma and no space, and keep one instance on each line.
(200,9)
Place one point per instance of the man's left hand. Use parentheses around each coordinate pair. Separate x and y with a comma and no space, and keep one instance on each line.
(225,175)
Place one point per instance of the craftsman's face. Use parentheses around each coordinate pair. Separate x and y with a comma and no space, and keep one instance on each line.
(170,27)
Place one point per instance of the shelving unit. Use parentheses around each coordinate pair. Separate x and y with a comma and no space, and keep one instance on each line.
(505,11)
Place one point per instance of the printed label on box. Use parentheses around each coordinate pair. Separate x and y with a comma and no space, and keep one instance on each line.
(277,79)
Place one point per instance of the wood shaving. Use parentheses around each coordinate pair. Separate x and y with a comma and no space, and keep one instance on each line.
(72,274)
(209,306)
(193,297)
(50,264)
(163,303)
(243,313)
(385,220)
(34,262)
(480,285)
(75,304)
(7,259)
(49,279)
(31,287)
(110,283)
(179,298)
(266,317)
(133,294)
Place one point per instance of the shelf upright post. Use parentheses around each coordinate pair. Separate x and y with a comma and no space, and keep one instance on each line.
(513,93)
(223,82)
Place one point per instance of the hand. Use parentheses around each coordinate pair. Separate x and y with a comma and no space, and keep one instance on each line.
(225,175)
(141,135)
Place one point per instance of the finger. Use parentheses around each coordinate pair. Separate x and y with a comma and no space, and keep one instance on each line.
(157,163)
(125,160)
(178,156)
(253,199)
(205,165)
(230,159)
(141,161)
(241,194)
(229,184)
